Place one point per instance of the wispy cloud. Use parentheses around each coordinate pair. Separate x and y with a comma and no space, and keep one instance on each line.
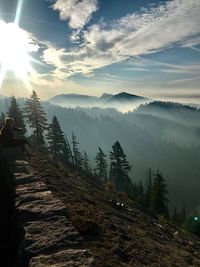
(183,81)
(195,48)
(145,64)
(175,23)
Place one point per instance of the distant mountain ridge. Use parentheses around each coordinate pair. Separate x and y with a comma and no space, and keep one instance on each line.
(123,96)
(105,100)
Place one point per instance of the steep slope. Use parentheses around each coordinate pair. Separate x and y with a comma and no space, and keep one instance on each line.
(152,141)
(116,230)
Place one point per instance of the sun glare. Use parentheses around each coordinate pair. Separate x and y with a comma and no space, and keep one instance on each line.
(15,47)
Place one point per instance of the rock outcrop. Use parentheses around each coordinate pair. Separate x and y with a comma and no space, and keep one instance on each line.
(49,239)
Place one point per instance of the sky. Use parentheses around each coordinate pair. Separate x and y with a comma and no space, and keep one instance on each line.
(145,47)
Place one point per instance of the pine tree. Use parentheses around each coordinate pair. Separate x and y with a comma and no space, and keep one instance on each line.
(101,165)
(65,150)
(148,193)
(55,137)
(159,195)
(78,158)
(138,192)
(36,117)
(120,168)
(86,166)
(15,112)
(69,151)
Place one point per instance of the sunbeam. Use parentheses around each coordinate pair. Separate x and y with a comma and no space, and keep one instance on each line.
(18,11)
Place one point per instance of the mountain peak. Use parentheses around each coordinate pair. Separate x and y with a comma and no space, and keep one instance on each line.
(124,96)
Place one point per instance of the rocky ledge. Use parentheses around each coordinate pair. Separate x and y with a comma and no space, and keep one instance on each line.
(49,238)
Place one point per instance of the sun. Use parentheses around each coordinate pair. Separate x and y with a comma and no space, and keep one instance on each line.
(15,49)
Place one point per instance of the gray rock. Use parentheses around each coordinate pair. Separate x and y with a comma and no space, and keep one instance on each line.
(50,236)
(65,258)
(24,178)
(36,206)
(34,187)
(22,163)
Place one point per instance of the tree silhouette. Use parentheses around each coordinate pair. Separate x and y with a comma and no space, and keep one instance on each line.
(148,193)
(36,117)
(68,151)
(15,112)
(101,165)
(56,138)
(159,195)
(120,168)
(78,158)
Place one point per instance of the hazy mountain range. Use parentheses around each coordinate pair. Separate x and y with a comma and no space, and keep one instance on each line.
(122,101)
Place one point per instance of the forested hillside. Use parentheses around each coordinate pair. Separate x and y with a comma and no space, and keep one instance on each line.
(158,135)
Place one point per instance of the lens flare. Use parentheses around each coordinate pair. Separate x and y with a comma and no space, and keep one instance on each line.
(15,48)
(16,45)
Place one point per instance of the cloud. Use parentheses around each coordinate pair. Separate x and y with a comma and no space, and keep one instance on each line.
(184,81)
(175,23)
(145,64)
(77,12)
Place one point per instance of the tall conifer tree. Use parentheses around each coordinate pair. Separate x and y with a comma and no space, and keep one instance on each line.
(69,151)
(159,195)
(36,117)
(15,112)
(78,158)
(148,193)
(120,168)
(101,165)
(55,137)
